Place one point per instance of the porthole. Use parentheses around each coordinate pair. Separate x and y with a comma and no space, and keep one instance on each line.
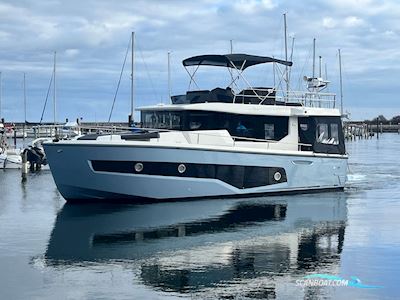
(181,168)
(138,167)
(277,176)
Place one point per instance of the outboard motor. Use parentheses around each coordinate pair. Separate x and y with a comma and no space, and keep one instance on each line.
(36,157)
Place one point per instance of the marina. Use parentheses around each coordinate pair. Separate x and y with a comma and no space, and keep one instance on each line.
(199,150)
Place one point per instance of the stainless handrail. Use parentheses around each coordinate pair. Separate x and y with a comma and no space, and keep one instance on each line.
(302,97)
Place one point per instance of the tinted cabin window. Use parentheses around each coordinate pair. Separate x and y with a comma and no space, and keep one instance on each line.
(306,133)
(325,136)
(269,131)
(334,134)
(162,120)
(321,135)
(259,127)
(247,126)
(200,121)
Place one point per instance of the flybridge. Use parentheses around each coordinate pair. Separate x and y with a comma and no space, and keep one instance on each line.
(261,95)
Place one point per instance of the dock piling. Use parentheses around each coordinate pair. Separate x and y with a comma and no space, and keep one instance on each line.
(24,167)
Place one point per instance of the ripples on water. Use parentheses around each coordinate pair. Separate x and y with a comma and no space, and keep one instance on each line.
(225,248)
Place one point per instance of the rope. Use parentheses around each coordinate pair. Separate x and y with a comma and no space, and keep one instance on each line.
(302,69)
(119,81)
(47,97)
(147,72)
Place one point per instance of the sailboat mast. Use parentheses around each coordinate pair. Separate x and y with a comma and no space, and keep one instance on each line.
(320,66)
(1,91)
(341,84)
(286,58)
(23,126)
(169,75)
(54,89)
(132,78)
(24,99)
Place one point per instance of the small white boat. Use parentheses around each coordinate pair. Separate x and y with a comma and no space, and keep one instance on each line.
(11,159)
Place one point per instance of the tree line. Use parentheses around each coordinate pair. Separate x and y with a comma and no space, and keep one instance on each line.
(383,120)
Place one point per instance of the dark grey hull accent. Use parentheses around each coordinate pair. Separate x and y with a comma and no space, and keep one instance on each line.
(239,176)
(77,178)
(106,197)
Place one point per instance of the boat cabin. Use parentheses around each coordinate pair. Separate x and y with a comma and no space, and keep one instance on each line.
(254,114)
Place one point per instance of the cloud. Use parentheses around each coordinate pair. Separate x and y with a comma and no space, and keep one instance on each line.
(353,21)
(328,23)
(252,6)
(91,38)
(350,21)
(71,52)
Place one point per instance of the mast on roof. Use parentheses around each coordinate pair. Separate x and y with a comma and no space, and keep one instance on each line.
(132,79)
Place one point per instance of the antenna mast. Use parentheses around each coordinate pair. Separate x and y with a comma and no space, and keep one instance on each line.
(313,62)
(132,78)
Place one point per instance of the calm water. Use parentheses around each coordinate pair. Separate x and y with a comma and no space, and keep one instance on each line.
(231,249)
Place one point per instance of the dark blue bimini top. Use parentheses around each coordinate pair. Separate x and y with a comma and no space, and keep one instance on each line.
(239,61)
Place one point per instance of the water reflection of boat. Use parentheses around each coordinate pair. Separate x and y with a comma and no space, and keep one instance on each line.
(195,246)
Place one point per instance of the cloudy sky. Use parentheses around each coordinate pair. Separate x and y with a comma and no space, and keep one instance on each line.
(91,38)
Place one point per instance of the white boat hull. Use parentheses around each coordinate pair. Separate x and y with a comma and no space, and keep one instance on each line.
(14,161)
(79,180)
(10,161)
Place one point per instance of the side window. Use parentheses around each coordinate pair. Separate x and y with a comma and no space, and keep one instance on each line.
(175,121)
(269,131)
(322,133)
(334,140)
(149,119)
(161,119)
(198,121)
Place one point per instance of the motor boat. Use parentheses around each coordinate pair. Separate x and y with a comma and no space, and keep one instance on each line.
(233,141)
